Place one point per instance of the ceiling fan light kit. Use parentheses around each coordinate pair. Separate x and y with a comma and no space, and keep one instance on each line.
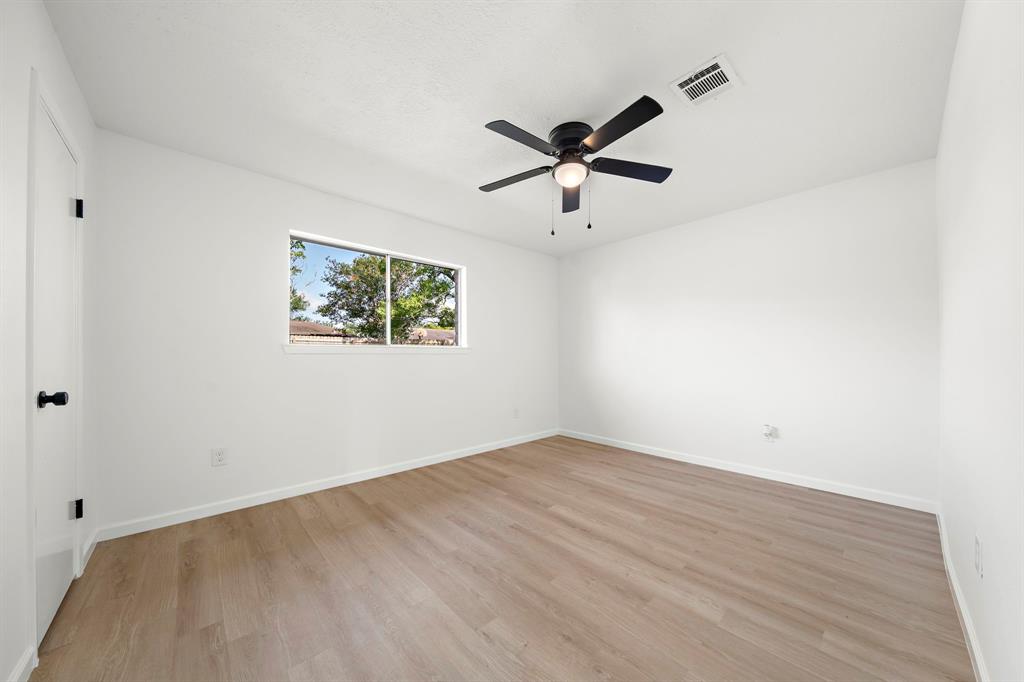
(571,172)
(571,142)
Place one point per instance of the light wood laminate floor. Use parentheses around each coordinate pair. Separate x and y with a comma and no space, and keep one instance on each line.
(556,560)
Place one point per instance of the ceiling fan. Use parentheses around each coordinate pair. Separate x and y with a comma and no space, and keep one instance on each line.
(570,142)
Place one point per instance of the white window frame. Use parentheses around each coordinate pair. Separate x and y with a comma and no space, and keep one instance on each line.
(461,331)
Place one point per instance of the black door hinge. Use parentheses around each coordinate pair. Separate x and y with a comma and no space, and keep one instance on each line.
(79,508)
(79,208)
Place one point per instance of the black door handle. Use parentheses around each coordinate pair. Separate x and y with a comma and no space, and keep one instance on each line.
(60,398)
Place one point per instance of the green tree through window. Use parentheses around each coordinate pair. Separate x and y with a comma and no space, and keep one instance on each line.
(422,297)
(298,256)
(355,298)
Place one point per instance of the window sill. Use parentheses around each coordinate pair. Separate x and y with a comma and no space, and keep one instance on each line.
(339,349)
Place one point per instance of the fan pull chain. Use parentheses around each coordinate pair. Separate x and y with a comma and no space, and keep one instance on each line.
(552,211)
(590,202)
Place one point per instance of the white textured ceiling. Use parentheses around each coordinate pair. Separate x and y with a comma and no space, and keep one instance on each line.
(385,102)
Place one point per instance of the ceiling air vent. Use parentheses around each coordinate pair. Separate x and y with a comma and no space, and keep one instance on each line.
(706,82)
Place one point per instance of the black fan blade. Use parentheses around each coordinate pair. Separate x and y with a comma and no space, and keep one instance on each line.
(522,137)
(570,199)
(512,179)
(630,169)
(631,118)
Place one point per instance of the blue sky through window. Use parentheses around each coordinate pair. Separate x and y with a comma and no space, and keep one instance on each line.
(310,281)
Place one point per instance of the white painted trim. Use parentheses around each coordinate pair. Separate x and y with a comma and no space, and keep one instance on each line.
(387,299)
(462,305)
(87,549)
(368,349)
(872,494)
(140,525)
(27,662)
(966,623)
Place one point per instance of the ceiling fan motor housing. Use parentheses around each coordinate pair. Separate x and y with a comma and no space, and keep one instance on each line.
(569,136)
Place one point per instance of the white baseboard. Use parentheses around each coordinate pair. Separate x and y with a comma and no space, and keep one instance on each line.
(907,501)
(27,662)
(139,525)
(966,624)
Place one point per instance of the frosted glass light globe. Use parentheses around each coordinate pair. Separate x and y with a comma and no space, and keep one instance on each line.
(571,173)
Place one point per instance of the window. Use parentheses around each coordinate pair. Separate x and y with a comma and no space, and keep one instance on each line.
(348,295)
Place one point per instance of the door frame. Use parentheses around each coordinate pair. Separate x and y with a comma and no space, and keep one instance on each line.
(40,98)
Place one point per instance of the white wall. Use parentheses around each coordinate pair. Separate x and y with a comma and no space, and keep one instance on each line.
(27,41)
(816,313)
(187,312)
(981,217)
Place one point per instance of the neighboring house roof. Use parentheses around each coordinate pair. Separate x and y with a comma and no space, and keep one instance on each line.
(307,328)
(425,334)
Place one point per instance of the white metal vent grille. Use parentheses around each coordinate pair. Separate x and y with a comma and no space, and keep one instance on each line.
(706,82)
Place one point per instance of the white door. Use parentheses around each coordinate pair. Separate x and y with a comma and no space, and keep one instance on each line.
(54,365)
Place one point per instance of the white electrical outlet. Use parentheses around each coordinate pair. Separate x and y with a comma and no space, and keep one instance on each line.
(218,457)
(515,413)
(979,559)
